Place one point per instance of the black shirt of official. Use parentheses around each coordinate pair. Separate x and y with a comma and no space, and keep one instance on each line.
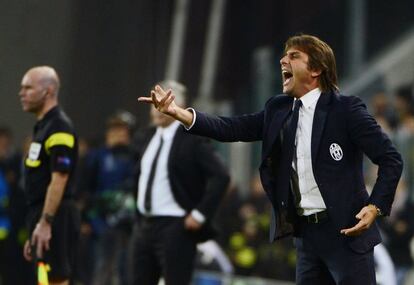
(54,147)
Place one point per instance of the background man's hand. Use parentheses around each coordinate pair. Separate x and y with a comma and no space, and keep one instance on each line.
(191,224)
(366,217)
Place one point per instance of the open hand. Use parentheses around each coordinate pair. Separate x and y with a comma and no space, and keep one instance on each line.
(366,217)
(163,101)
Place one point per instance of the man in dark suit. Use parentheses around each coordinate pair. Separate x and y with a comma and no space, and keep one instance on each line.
(313,143)
(181,182)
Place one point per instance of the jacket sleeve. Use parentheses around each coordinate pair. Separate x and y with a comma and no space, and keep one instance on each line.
(217,178)
(244,128)
(367,135)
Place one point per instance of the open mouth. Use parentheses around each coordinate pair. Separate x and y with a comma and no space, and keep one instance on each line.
(287,77)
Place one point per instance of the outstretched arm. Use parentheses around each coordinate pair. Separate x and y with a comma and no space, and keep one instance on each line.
(229,129)
(163,101)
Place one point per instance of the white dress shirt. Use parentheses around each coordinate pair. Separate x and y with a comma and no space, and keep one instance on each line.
(162,198)
(162,202)
(311,199)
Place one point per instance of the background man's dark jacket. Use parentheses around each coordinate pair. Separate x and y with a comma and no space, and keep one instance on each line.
(197,175)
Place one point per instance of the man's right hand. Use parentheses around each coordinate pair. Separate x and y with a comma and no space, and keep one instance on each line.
(163,101)
(41,237)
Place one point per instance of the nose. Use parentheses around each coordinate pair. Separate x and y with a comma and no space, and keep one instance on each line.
(21,93)
(284,60)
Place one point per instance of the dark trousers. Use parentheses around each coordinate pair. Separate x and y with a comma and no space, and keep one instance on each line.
(110,257)
(325,258)
(161,246)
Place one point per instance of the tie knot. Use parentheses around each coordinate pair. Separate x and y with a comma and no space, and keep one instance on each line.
(298,104)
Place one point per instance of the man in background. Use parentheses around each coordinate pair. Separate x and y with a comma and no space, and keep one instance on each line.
(110,180)
(181,182)
(12,212)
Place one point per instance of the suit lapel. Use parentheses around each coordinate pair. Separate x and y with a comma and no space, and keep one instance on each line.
(319,121)
(275,126)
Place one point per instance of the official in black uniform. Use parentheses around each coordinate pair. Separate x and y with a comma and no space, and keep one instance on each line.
(52,219)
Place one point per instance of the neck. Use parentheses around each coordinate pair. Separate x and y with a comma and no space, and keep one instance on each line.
(46,108)
(306,89)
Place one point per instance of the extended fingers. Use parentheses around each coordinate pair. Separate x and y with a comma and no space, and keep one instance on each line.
(166,100)
(154,99)
(163,95)
(160,91)
(145,99)
(39,250)
(159,98)
(42,245)
(169,100)
(351,231)
(357,229)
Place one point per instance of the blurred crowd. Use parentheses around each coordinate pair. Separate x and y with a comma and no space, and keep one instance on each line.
(395,113)
(106,195)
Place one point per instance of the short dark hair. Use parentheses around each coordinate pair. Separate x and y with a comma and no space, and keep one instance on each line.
(121,118)
(321,58)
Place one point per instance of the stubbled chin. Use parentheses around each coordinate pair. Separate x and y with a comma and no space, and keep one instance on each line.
(287,89)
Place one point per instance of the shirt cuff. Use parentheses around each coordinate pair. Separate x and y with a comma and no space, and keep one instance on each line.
(194,119)
(196,214)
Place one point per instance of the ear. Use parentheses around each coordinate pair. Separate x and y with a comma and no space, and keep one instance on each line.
(316,73)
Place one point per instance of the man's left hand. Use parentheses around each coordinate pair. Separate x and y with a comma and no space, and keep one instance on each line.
(366,217)
(41,237)
(191,224)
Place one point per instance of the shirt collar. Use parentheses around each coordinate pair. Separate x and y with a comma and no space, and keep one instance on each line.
(50,114)
(310,98)
(168,132)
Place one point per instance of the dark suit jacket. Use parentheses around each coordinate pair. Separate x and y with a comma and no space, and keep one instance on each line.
(197,175)
(341,120)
